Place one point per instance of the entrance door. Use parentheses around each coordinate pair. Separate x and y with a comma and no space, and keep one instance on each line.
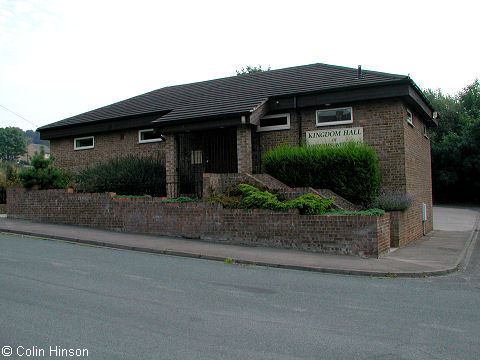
(212,151)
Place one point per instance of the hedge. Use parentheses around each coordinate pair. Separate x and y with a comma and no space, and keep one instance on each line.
(129,175)
(350,169)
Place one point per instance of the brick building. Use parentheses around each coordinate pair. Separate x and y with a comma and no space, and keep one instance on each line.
(226,125)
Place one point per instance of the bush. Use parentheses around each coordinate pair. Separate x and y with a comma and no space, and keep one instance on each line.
(8,177)
(311,204)
(132,197)
(182,199)
(233,196)
(393,201)
(3,176)
(350,169)
(125,176)
(368,212)
(308,204)
(12,176)
(258,199)
(43,174)
(228,201)
(248,196)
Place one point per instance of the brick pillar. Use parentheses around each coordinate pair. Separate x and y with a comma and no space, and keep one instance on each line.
(171,165)
(244,149)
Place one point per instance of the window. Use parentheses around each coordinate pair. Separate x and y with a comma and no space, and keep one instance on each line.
(425,132)
(410,118)
(337,116)
(274,122)
(148,136)
(84,143)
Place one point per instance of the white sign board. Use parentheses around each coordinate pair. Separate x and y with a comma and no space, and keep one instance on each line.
(334,136)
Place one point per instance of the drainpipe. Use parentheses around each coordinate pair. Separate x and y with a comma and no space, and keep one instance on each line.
(424,217)
(298,115)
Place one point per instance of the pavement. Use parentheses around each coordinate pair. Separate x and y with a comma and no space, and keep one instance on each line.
(444,250)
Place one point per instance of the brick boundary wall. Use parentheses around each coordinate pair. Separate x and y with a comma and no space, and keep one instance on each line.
(398,229)
(333,234)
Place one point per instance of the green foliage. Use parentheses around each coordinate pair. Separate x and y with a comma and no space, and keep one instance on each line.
(350,169)
(233,197)
(43,174)
(33,137)
(125,176)
(308,204)
(251,69)
(3,176)
(311,204)
(12,143)
(368,212)
(393,201)
(12,176)
(228,201)
(456,145)
(258,199)
(229,261)
(132,197)
(470,100)
(181,199)
(9,175)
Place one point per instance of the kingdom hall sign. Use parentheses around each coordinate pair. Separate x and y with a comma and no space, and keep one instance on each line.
(334,136)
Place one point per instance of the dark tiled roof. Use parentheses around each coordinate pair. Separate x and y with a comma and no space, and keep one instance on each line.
(231,95)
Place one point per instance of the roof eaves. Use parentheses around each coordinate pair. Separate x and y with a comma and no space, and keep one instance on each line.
(346,88)
(82,123)
(161,121)
(420,92)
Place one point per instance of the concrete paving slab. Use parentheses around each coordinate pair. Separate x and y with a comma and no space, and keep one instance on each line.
(440,252)
(454,218)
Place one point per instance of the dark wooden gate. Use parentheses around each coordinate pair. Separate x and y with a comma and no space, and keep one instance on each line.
(212,151)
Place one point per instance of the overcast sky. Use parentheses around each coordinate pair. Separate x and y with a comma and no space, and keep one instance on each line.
(59,58)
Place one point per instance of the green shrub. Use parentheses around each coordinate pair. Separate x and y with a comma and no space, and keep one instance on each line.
(311,204)
(132,197)
(43,174)
(368,212)
(228,202)
(258,199)
(181,199)
(308,204)
(232,198)
(12,176)
(129,175)
(350,169)
(3,177)
(251,197)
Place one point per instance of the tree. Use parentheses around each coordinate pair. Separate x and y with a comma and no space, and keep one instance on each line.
(33,137)
(456,145)
(251,69)
(470,100)
(12,143)
(43,174)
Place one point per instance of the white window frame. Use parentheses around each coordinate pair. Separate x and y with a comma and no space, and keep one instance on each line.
(275,127)
(75,147)
(334,122)
(410,118)
(425,131)
(140,141)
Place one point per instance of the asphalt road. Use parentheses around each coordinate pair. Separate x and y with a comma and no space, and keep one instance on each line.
(127,305)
